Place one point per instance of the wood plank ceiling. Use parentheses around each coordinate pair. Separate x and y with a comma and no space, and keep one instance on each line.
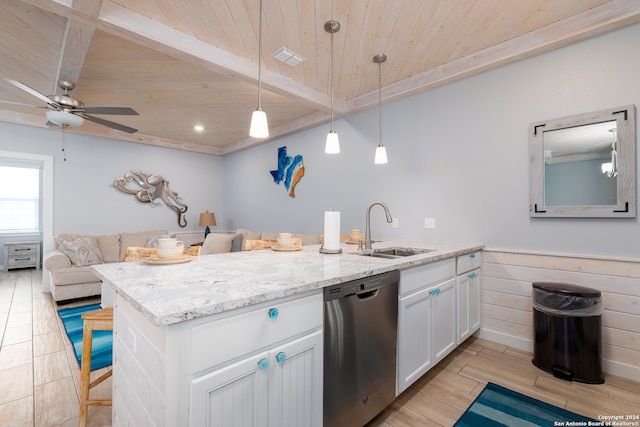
(186,62)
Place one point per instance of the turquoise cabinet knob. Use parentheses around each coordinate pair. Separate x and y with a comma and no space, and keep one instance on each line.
(263,364)
(273,313)
(472,255)
(281,357)
(472,276)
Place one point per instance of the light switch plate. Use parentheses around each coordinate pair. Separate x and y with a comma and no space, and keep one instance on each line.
(394,223)
(429,223)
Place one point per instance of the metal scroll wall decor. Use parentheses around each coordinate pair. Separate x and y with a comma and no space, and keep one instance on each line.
(290,169)
(153,186)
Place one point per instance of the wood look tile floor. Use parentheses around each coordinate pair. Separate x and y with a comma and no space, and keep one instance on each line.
(39,374)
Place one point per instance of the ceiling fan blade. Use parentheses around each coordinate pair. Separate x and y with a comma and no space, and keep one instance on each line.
(109,124)
(33,92)
(122,111)
(21,104)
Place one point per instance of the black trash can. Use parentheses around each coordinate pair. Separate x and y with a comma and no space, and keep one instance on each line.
(568,331)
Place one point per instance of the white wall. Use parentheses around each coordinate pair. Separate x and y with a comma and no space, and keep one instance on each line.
(458,153)
(85,200)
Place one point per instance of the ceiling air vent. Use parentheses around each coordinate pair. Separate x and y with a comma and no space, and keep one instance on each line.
(285,55)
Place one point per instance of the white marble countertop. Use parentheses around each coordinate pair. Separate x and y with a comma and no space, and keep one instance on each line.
(210,284)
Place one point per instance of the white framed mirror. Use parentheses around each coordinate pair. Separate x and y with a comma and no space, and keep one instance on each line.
(584,165)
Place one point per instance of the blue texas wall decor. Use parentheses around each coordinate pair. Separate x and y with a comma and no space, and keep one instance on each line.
(290,169)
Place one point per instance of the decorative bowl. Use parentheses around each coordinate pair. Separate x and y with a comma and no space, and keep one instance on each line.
(173,252)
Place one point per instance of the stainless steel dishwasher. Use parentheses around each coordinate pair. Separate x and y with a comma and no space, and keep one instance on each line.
(360,336)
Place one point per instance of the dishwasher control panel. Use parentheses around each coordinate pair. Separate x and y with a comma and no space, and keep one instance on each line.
(357,286)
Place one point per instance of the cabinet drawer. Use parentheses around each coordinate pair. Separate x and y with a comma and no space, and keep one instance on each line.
(468,262)
(252,330)
(418,277)
(22,249)
(18,261)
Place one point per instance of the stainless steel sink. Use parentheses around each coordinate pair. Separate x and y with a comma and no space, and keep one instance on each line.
(393,252)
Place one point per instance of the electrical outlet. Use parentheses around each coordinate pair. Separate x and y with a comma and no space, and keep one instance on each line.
(394,223)
(429,223)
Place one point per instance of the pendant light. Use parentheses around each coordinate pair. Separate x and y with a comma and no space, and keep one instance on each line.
(259,127)
(381,151)
(333,144)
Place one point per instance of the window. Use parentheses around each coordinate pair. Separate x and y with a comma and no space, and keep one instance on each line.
(19,196)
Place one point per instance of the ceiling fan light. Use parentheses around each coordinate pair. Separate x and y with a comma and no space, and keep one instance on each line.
(63,118)
(259,127)
(381,155)
(333,143)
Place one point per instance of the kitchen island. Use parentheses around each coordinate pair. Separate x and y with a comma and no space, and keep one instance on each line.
(189,336)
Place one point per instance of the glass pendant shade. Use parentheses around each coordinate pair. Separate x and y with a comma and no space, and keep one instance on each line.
(381,155)
(333,143)
(63,118)
(259,127)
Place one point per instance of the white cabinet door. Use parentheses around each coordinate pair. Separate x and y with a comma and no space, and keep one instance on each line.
(468,291)
(414,346)
(443,319)
(474,301)
(295,382)
(281,387)
(234,396)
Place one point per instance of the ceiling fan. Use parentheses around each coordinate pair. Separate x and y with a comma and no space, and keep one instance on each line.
(68,112)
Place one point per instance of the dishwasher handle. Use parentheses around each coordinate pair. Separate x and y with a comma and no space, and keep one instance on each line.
(368,294)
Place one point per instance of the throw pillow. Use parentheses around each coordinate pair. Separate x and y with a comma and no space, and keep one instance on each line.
(217,243)
(236,243)
(82,251)
(152,241)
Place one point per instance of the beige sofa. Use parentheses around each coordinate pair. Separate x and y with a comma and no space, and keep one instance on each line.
(69,265)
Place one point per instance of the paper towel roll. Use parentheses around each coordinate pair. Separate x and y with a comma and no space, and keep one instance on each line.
(331,230)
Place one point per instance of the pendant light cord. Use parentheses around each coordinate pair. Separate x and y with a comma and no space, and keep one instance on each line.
(331,79)
(380,102)
(260,59)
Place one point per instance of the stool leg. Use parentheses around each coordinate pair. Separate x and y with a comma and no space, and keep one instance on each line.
(85,372)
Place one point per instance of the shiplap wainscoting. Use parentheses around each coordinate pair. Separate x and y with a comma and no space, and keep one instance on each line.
(507,315)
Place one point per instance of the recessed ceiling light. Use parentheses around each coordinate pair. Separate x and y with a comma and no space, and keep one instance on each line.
(285,55)
(198,128)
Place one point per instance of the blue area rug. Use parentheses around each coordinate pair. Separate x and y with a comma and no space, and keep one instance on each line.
(499,406)
(101,351)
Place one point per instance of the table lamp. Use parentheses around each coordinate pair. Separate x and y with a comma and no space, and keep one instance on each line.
(206,219)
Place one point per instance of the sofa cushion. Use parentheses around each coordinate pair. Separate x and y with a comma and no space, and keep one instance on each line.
(136,239)
(109,245)
(74,275)
(310,239)
(82,251)
(217,243)
(268,235)
(253,235)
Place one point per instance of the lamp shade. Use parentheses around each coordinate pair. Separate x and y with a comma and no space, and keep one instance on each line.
(333,143)
(63,118)
(381,155)
(259,126)
(207,219)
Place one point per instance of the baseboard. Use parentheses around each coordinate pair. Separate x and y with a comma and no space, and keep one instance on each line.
(510,340)
(621,370)
(608,366)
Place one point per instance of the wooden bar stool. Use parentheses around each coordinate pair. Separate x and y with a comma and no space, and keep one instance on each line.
(99,320)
